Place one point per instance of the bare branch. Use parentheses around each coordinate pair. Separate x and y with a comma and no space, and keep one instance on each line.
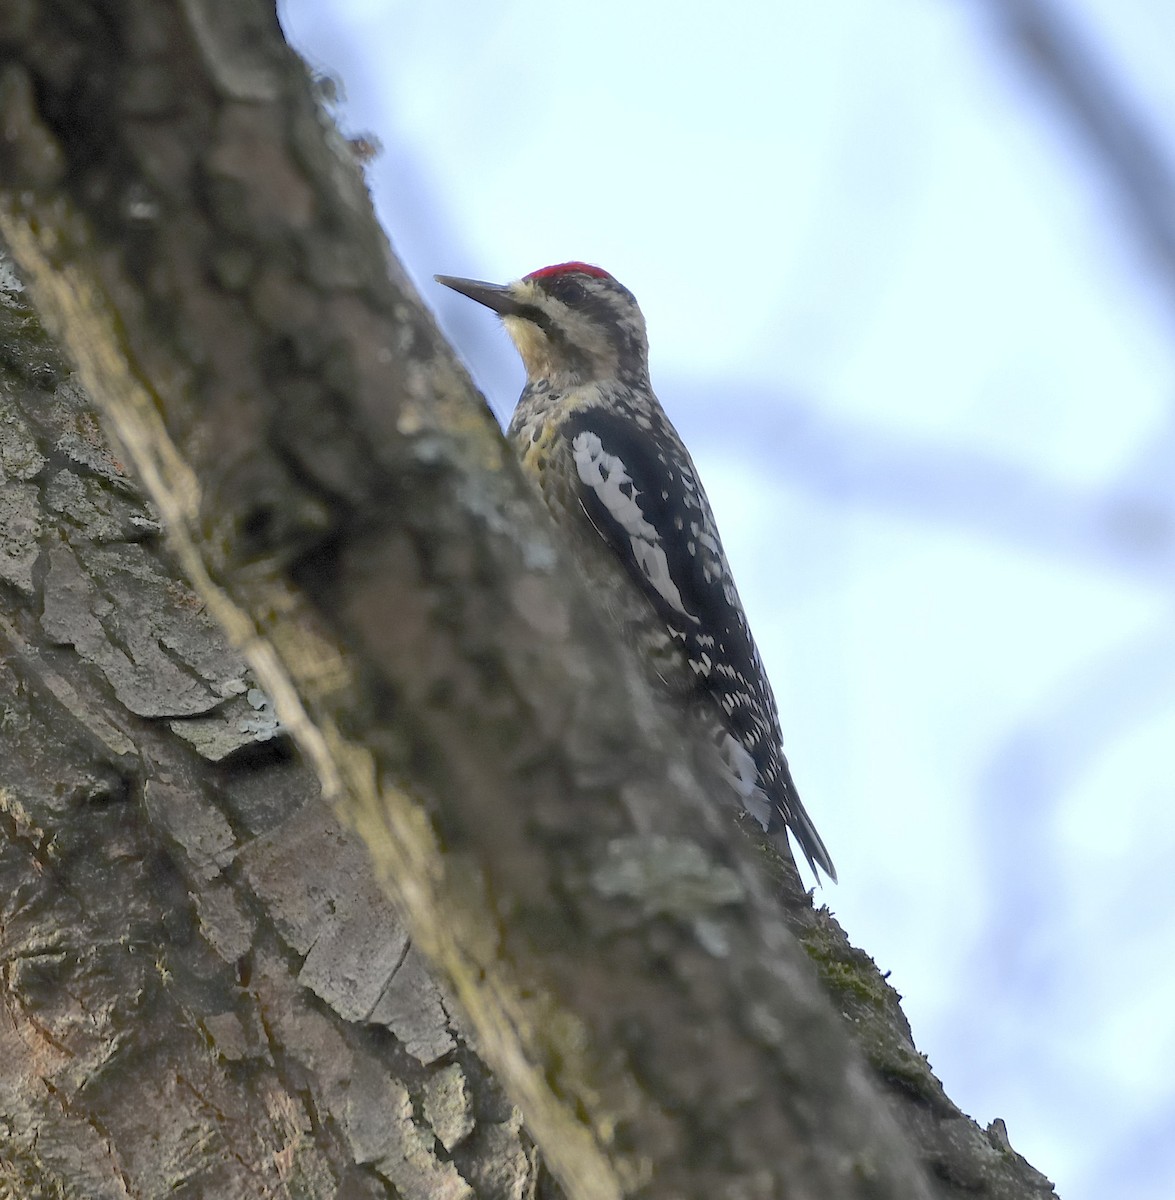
(1057,54)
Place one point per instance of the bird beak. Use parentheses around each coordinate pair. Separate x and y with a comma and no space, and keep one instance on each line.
(497,296)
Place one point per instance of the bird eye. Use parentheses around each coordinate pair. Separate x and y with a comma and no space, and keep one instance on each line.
(568,289)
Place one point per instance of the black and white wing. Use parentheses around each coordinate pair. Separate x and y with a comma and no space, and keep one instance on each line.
(641,492)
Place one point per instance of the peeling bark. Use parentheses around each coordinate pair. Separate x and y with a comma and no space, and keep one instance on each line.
(205,991)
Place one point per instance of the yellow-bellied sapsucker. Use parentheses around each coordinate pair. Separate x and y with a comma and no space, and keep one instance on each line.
(623,489)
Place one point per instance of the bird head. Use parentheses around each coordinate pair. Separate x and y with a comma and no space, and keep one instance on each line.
(572,323)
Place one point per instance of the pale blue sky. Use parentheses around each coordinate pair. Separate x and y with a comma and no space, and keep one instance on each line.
(907,329)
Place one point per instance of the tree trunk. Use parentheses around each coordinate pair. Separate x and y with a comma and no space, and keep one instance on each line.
(251,1013)
(206,993)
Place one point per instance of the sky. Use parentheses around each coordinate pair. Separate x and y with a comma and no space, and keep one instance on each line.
(925,363)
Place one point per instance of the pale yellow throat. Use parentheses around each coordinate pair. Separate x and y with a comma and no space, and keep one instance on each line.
(532,345)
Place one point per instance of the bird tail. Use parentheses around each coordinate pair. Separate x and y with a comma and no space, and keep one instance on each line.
(781,805)
(810,842)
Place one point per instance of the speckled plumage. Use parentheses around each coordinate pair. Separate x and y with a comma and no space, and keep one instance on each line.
(622,487)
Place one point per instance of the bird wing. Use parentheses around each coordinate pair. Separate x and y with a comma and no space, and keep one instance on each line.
(640,490)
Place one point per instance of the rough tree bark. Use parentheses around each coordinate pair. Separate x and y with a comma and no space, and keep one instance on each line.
(201,243)
(205,992)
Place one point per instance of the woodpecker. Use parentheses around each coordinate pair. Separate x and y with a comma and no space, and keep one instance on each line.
(624,492)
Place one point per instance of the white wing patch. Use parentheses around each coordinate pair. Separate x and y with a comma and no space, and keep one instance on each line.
(743,775)
(608,477)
